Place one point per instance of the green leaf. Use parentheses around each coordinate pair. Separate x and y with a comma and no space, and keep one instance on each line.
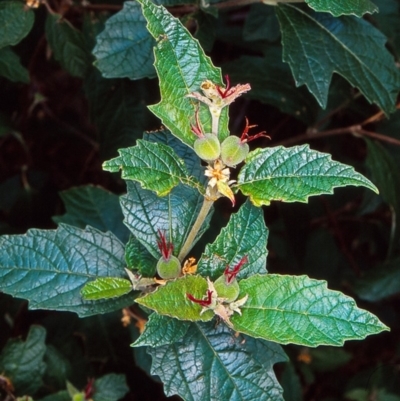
(68,45)
(181,67)
(118,109)
(291,384)
(22,361)
(138,258)
(111,387)
(300,310)
(16,20)
(93,206)
(343,7)
(11,67)
(155,165)
(294,174)
(106,287)
(270,72)
(125,47)
(58,368)
(211,364)
(161,330)
(59,396)
(50,267)
(381,282)
(317,45)
(261,24)
(245,235)
(171,299)
(146,214)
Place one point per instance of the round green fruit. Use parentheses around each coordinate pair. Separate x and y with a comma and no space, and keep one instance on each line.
(208,147)
(233,151)
(168,269)
(228,291)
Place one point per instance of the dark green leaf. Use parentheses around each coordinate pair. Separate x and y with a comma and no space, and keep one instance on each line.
(211,364)
(11,67)
(381,282)
(125,47)
(117,108)
(294,174)
(300,310)
(317,45)
(106,287)
(327,359)
(68,45)
(161,330)
(146,214)
(245,235)
(181,66)
(60,396)
(111,387)
(343,7)
(155,165)
(261,24)
(50,267)
(16,20)
(291,384)
(58,368)
(138,258)
(22,361)
(93,206)
(171,299)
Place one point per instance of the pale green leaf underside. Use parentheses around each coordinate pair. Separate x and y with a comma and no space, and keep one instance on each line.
(50,267)
(210,363)
(181,67)
(172,300)
(294,174)
(16,20)
(125,47)
(161,330)
(106,287)
(300,310)
(245,235)
(343,7)
(154,165)
(316,45)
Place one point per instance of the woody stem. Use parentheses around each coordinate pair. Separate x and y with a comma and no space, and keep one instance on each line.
(205,208)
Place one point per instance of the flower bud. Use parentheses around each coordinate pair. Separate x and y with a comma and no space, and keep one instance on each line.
(228,291)
(169,268)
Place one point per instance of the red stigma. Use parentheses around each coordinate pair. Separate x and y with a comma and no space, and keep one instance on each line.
(196,129)
(202,302)
(226,92)
(165,247)
(89,389)
(231,274)
(247,138)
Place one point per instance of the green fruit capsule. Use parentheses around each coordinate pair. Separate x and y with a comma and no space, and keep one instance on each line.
(207,147)
(233,151)
(169,268)
(228,291)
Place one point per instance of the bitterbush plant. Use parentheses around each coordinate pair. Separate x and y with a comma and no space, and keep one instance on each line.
(214,324)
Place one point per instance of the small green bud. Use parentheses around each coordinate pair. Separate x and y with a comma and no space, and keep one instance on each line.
(78,397)
(229,291)
(207,147)
(233,151)
(169,268)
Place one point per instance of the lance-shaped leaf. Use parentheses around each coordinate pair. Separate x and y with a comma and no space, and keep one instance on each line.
(93,206)
(316,45)
(16,20)
(106,287)
(300,310)
(50,267)
(171,299)
(125,47)
(146,214)
(181,67)
(161,330)
(245,235)
(294,174)
(22,361)
(343,7)
(155,165)
(210,363)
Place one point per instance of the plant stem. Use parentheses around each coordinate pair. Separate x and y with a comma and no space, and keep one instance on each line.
(205,208)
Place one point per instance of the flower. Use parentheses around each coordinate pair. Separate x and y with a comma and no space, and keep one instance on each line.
(219,177)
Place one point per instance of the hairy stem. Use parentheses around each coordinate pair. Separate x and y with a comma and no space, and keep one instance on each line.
(205,208)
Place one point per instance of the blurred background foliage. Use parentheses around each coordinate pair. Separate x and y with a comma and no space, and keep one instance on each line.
(60,118)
